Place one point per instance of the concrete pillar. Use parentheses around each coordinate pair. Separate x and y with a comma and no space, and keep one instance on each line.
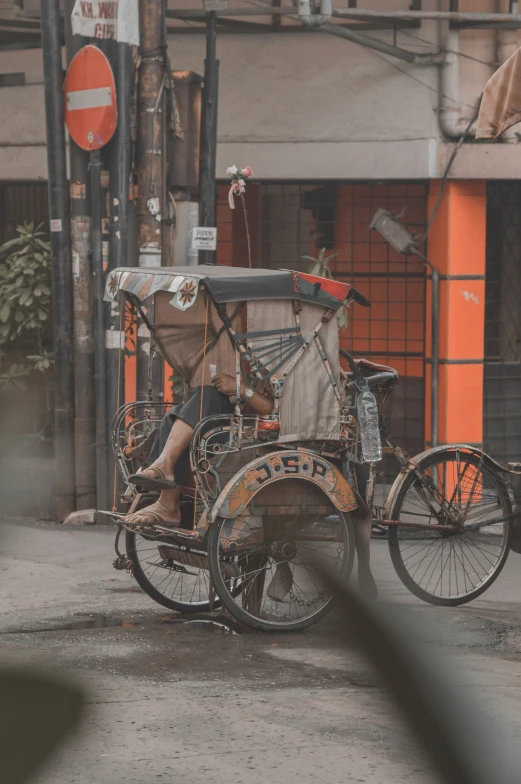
(456,248)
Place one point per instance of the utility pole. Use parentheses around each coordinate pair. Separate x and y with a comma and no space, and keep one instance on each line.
(207,198)
(82,285)
(61,258)
(95,166)
(120,163)
(151,163)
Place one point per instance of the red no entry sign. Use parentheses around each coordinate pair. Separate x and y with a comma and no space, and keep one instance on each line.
(90,99)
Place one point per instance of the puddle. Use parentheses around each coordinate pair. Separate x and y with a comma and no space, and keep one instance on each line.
(212,622)
(96,622)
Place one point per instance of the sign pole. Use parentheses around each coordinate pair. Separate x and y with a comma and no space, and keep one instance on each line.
(207,188)
(95,165)
(61,259)
(119,163)
(82,286)
(91,117)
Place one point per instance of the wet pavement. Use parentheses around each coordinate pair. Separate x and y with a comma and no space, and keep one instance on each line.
(199,699)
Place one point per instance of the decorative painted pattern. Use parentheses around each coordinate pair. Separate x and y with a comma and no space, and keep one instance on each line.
(288,465)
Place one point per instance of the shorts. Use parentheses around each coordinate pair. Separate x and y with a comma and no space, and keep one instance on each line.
(191,412)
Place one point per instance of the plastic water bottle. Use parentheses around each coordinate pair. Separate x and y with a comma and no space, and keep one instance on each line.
(368,421)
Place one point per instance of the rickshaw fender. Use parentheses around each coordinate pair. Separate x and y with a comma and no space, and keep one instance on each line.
(298,464)
(400,479)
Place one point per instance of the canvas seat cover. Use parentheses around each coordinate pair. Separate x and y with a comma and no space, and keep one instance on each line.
(309,407)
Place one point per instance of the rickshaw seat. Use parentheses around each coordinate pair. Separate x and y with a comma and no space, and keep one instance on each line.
(374,367)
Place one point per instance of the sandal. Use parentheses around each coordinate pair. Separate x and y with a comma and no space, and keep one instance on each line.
(150,519)
(152,479)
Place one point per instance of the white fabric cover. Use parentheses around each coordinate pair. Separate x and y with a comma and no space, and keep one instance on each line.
(309,406)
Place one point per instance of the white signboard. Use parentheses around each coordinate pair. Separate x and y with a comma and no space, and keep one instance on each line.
(117,19)
(204,238)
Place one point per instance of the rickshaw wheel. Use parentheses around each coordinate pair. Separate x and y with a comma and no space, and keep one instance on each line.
(183,591)
(454,568)
(271,549)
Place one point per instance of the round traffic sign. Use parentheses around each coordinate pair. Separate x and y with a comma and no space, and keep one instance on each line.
(90,99)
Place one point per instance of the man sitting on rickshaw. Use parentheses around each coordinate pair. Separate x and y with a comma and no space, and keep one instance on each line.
(169,457)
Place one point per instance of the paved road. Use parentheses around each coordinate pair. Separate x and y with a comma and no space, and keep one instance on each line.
(172,699)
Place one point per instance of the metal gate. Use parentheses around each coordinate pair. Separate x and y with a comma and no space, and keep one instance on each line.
(290,220)
(502,371)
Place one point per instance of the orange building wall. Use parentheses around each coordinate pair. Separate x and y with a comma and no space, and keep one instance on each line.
(456,248)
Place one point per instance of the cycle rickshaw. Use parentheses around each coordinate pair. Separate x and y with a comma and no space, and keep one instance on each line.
(266,495)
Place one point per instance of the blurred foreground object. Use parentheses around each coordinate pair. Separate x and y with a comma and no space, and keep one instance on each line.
(501,102)
(460,746)
(35,714)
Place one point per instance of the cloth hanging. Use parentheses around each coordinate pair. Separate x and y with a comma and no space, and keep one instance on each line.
(501,102)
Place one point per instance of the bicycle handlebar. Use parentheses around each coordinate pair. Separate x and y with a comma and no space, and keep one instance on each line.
(355,370)
(376,379)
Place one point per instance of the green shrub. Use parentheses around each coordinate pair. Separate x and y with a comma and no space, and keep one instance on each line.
(25,306)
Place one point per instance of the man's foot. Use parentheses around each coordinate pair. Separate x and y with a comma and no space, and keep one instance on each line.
(281,583)
(155,514)
(153,478)
(244,530)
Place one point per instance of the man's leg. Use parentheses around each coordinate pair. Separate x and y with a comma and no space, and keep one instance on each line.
(177,442)
(167,506)
(203,402)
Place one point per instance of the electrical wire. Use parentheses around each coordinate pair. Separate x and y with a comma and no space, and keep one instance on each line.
(419,81)
(449,51)
(260,3)
(446,174)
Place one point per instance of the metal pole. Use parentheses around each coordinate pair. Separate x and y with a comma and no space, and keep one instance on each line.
(447,16)
(120,162)
(207,187)
(61,258)
(82,285)
(418,58)
(151,163)
(435,344)
(353,13)
(95,165)
(435,354)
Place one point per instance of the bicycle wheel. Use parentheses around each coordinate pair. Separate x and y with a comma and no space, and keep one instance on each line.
(175,579)
(270,550)
(450,568)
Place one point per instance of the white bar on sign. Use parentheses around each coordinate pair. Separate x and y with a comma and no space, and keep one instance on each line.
(89,99)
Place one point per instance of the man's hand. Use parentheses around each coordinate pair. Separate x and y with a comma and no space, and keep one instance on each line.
(225,384)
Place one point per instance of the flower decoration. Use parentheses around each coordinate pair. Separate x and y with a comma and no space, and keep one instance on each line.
(187,292)
(113,285)
(238,186)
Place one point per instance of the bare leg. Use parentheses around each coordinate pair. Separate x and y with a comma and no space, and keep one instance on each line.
(178,441)
(167,506)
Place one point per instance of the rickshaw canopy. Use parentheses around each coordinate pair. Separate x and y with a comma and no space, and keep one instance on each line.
(226,284)
(198,316)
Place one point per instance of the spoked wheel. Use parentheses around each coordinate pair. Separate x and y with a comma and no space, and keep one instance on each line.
(454,567)
(177,579)
(263,562)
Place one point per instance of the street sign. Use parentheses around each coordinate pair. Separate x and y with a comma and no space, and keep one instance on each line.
(90,99)
(204,238)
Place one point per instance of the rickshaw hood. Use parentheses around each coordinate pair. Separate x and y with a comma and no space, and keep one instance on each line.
(226,284)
